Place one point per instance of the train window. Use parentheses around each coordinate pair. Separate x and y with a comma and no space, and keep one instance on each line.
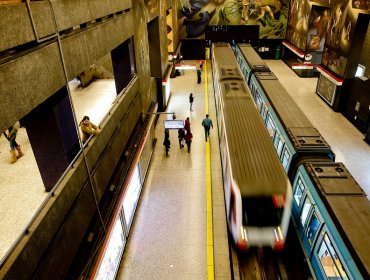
(271,127)
(285,158)
(313,226)
(299,189)
(261,211)
(258,102)
(279,144)
(305,211)
(329,260)
(264,113)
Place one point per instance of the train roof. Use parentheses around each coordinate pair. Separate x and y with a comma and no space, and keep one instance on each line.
(255,164)
(254,60)
(303,134)
(288,111)
(348,206)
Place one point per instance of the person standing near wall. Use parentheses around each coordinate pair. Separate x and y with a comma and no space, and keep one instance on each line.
(207,124)
(199,75)
(88,128)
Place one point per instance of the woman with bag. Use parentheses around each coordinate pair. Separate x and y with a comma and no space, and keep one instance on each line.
(188,139)
(181,136)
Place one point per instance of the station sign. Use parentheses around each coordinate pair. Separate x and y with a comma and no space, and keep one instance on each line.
(173,124)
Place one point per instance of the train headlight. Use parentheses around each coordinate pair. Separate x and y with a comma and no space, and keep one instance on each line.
(279,239)
(243,241)
(243,232)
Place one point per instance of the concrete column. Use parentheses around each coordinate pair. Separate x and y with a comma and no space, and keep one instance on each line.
(53,136)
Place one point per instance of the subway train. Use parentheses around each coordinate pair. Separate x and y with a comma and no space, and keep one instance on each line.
(258,195)
(330,211)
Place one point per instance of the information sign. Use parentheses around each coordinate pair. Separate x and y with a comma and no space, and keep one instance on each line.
(173,124)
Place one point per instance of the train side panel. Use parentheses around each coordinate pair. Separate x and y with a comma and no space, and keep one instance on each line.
(282,144)
(322,242)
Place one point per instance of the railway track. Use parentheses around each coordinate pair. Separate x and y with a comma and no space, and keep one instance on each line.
(267,264)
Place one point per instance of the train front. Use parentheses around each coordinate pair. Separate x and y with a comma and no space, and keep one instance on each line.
(264,221)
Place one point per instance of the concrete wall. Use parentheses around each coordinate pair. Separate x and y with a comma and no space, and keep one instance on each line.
(16,25)
(31,78)
(50,244)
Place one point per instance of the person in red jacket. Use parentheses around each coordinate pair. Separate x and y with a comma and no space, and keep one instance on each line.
(187,124)
(188,139)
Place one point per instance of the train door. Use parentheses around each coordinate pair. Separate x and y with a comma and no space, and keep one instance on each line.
(308,219)
(264,110)
(285,158)
(279,143)
(253,89)
(326,262)
(245,72)
(299,189)
(271,127)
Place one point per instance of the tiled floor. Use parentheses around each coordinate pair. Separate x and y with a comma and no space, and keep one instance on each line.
(168,239)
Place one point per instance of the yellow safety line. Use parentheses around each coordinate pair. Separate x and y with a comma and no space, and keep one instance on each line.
(210,261)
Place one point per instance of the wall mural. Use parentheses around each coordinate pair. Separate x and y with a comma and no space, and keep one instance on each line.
(152,8)
(270,15)
(318,27)
(341,33)
(299,15)
(308,24)
(325,26)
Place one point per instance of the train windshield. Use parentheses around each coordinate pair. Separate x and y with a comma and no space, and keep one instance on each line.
(261,212)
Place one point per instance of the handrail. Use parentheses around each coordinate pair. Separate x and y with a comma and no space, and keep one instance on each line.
(51,194)
(115,101)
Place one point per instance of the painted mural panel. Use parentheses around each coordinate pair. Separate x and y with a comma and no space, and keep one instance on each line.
(299,15)
(318,27)
(270,15)
(152,8)
(341,33)
(308,24)
(361,5)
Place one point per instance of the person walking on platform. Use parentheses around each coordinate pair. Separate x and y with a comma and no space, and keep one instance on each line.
(191,99)
(167,142)
(188,139)
(187,124)
(15,149)
(181,136)
(207,124)
(199,75)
